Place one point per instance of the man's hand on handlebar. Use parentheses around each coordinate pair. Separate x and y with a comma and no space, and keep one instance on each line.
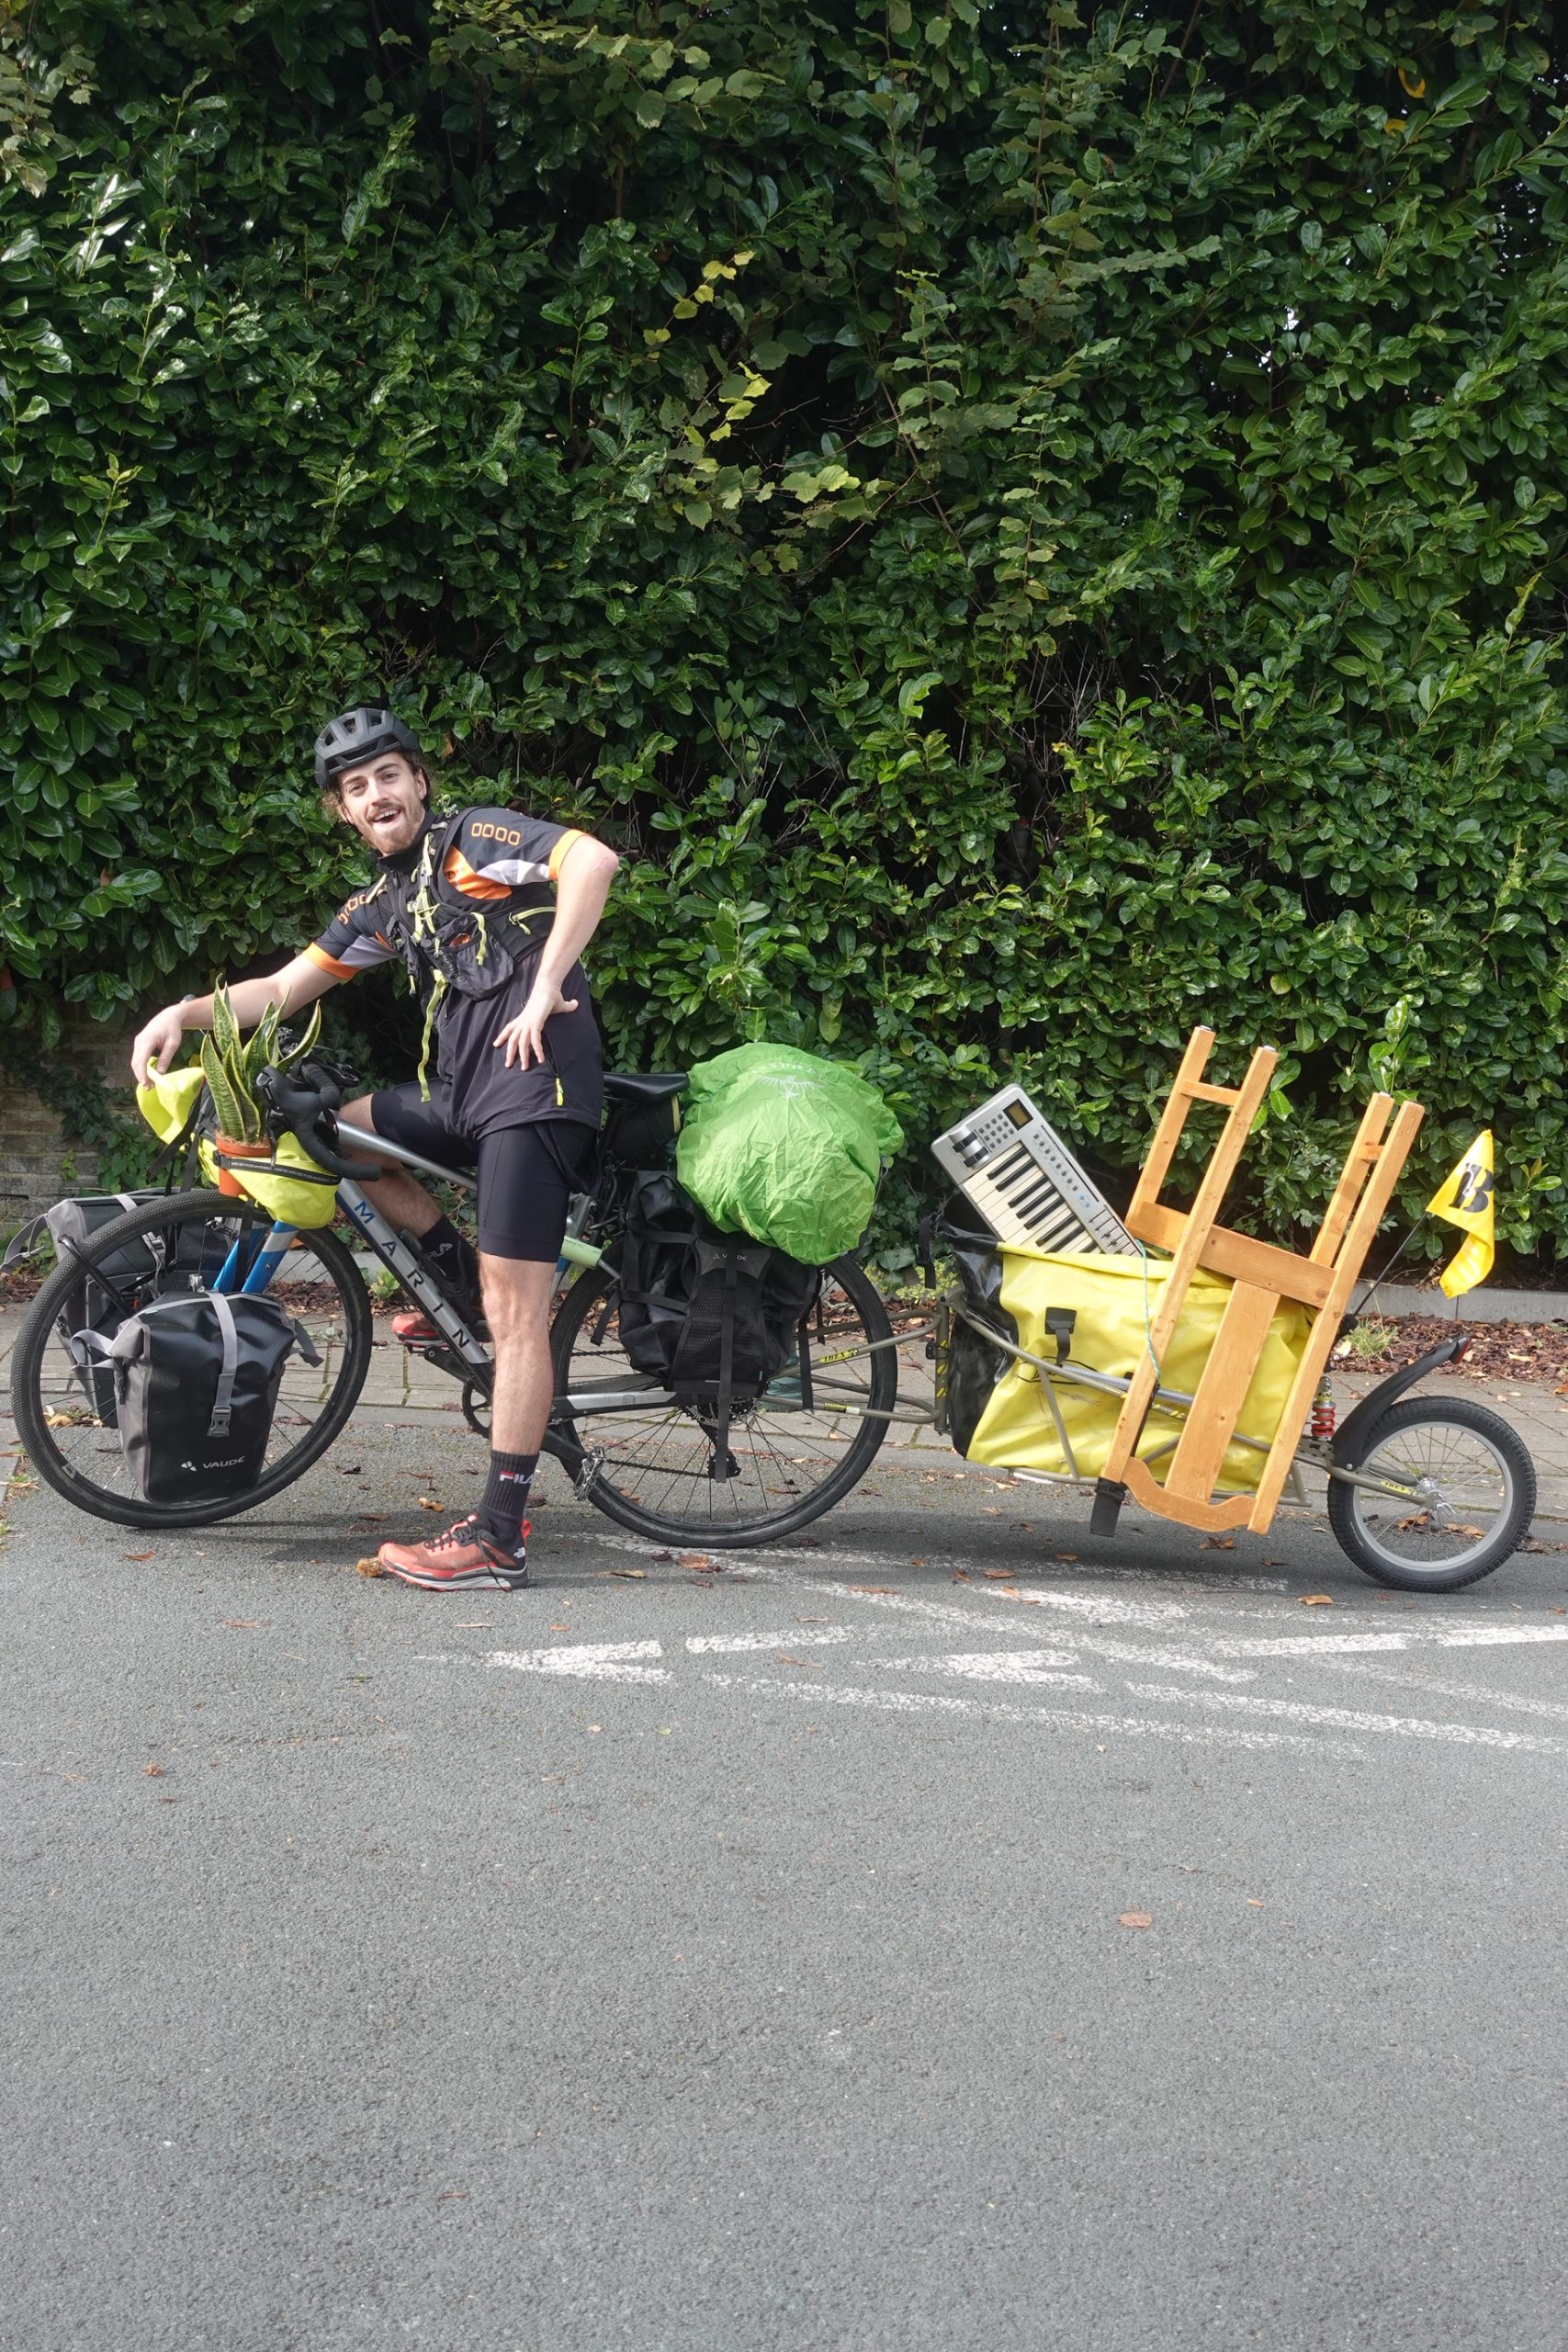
(523,1040)
(160,1041)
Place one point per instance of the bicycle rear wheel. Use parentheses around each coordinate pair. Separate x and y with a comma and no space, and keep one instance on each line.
(807,1439)
(65,1415)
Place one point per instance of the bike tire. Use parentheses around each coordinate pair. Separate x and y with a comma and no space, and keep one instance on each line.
(593,1294)
(45,1454)
(1379,1561)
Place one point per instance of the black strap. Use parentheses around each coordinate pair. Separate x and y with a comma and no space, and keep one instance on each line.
(725,1368)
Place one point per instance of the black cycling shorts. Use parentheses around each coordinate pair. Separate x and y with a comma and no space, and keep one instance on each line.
(526,1175)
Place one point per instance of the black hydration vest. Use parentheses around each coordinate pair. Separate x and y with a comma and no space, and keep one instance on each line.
(448,941)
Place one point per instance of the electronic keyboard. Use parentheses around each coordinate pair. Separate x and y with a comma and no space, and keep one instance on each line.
(1015,1171)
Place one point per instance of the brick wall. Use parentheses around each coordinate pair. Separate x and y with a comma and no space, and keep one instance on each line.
(37,1163)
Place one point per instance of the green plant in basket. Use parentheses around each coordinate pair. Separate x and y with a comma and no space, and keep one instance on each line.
(231,1066)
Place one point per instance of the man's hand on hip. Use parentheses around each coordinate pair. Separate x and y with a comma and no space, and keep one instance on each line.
(523,1040)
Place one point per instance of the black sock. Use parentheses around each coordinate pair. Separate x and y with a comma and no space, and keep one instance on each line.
(454,1258)
(505,1501)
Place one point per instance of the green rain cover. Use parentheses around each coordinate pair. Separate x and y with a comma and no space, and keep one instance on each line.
(785,1146)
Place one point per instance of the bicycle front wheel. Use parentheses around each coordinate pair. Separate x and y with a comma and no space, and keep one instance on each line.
(64,1405)
(653,1463)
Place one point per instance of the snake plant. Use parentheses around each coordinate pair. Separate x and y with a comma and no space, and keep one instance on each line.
(230,1065)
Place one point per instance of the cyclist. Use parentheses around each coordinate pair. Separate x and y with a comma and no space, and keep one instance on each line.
(490,909)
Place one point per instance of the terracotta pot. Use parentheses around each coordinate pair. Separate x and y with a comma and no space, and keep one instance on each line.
(227,1181)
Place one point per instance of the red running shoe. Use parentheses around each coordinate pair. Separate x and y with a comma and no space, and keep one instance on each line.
(465,1555)
(415,1329)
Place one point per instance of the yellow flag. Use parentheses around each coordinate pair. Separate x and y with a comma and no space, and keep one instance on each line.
(1465,1199)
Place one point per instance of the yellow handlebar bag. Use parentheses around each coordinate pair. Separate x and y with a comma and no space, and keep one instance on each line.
(1115,1301)
(166,1105)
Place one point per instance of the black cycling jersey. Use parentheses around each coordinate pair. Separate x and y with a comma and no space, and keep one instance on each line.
(505,867)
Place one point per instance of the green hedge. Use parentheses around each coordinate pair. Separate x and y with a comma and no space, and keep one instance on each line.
(1030,530)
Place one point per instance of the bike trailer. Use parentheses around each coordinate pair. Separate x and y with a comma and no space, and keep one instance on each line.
(195,1383)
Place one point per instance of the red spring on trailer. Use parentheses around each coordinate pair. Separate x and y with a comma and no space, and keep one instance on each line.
(1324,1413)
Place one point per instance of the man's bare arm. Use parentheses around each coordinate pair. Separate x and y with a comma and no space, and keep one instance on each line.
(298,982)
(580,892)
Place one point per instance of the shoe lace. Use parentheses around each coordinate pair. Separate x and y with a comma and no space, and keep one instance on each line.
(462,1533)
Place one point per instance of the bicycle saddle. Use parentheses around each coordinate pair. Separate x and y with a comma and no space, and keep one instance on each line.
(644,1086)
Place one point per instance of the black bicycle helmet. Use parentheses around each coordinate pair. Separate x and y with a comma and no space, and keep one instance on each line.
(355,736)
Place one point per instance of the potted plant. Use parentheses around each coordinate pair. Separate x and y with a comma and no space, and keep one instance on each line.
(230,1065)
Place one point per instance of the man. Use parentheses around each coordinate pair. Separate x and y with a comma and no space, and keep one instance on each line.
(490,911)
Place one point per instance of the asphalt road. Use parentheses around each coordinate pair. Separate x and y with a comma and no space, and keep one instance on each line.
(690,1959)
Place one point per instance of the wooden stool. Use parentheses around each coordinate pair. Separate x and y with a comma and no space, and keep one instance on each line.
(1262,1276)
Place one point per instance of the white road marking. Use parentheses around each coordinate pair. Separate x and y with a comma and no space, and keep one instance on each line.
(1312,1644)
(797,1637)
(1351,1719)
(947,1612)
(1466,1637)
(1414,1680)
(994,1665)
(588,1661)
(825,1694)
(1447,1637)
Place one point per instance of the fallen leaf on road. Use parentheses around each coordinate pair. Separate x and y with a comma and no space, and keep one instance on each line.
(664,1555)
(1317,1601)
(444,2195)
(155,1772)
(628,1571)
(368,1568)
(560,1629)
(1134,1918)
(473,1625)
(246,1625)
(785,1658)
(139,1556)
(1066,1555)
(1002,1576)
(872,1588)
(429,1502)
(370,1518)
(703,1560)
(960,1575)
(1218,1543)
(348,1470)
(1255,1903)
(916,1559)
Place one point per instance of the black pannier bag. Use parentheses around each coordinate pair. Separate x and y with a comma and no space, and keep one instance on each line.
(71,1226)
(690,1297)
(974,1364)
(195,1385)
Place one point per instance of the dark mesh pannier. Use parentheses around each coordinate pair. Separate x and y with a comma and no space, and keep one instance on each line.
(974,1364)
(681,1285)
(89,1306)
(195,1383)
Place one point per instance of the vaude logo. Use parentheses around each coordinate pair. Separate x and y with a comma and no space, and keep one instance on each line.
(228,1461)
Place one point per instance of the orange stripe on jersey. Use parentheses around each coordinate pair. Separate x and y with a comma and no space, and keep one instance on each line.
(562,851)
(472,884)
(318,956)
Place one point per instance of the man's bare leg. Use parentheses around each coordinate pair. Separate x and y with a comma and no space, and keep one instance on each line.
(399,1197)
(489,1548)
(517,1302)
